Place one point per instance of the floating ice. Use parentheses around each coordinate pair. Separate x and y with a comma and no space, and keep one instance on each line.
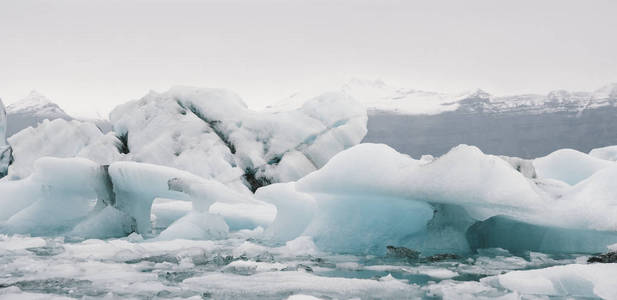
(60,193)
(390,198)
(106,223)
(61,138)
(578,281)
(569,166)
(211,133)
(6,157)
(607,153)
(197,226)
(136,185)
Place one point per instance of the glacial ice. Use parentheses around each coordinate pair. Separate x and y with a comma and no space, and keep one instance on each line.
(569,166)
(574,280)
(136,185)
(211,133)
(59,194)
(6,156)
(440,200)
(197,226)
(607,153)
(60,138)
(106,223)
(79,197)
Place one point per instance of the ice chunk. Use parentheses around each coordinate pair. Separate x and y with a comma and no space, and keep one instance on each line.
(136,185)
(60,138)
(607,153)
(294,211)
(339,220)
(166,211)
(245,215)
(578,281)
(211,133)
(59,194)
(569,166)
(428,206)
(484,184)
(282,283)
(592,203)
(107,223)
(333,221)
(197,226)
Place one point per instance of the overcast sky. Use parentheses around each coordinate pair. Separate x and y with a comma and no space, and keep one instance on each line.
(89,56)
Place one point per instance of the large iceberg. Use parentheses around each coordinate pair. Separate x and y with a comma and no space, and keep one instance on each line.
(197,145)
(211,133)
(393,199)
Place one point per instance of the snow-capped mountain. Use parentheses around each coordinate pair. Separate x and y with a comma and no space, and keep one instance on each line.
(377,95)
(554,101)
(32,110)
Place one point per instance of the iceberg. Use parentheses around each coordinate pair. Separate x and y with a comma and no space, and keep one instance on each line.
(445,204)
(57,196)
(569,166)
(61,138)
(78,197)
(575,280)
(607,153)
(6,152)
(196,226)
(211,133)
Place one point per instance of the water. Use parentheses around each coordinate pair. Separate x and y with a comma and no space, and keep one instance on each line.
(240,267)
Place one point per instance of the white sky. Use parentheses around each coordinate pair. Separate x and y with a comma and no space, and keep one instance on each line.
(89,56)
